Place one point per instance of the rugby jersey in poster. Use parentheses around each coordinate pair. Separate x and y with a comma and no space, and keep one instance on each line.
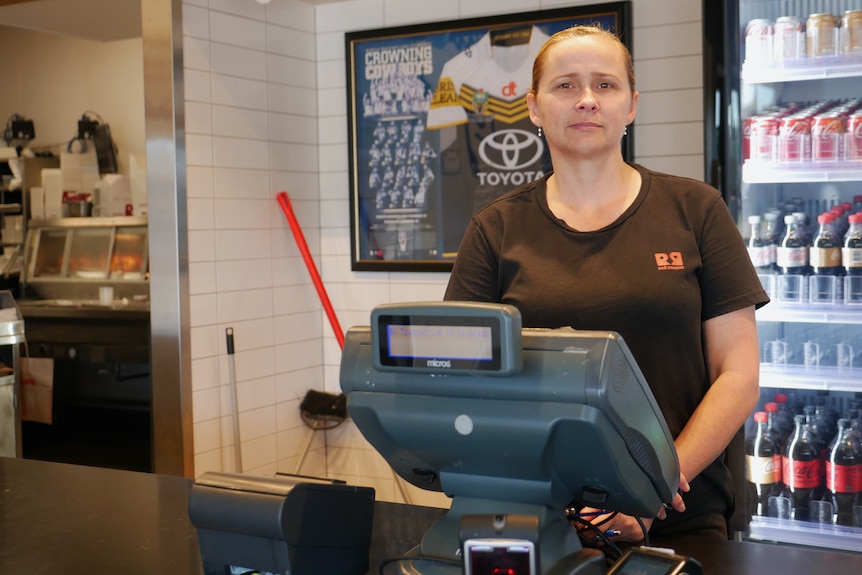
(481,96)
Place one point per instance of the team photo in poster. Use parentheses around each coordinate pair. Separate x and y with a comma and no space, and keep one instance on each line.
(439,127)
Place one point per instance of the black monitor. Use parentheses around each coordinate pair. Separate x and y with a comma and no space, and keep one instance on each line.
(570,419)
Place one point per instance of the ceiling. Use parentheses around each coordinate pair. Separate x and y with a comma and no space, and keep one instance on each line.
(101,20)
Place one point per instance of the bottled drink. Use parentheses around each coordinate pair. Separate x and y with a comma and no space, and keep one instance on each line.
(855,423)
(825,251)
(827,416)
(770,234)
(804,221)
(844,474)
(801,469)
(760,452)
(784,417)
(774,433)
(758,248)
(851,259)
(792,259)
(816,427)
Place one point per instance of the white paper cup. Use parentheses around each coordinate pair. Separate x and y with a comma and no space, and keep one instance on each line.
(106,295)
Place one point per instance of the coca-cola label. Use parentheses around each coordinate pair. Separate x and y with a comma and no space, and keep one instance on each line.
(851,257)
(792,257)
(801,474)
(825,257)
(853,139)
(759,256)
(760,470)
(843,478)
(826,138)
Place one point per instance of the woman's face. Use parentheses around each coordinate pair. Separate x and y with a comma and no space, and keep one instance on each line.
(583,101)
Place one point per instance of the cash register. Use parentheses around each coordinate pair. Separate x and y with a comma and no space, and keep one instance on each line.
(508,422)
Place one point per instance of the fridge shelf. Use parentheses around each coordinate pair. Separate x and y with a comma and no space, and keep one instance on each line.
(820,378)
(805,533)
(800,313)
(802,70)
(762,172)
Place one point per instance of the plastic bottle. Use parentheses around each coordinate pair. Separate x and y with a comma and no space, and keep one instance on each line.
(784,418)
(771,235)
(801,469)
(774,432)
(758,248)
(825,251)
(851,259)
(760,451)
(804,222)
(853,415)
(792,259)
(843,479)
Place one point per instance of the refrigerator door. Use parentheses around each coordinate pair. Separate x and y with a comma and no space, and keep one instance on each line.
(784,136)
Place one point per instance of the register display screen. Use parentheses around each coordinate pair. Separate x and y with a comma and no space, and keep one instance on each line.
(418,341)
(440,343)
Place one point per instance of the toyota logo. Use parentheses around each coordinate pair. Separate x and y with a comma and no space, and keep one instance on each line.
(506,149)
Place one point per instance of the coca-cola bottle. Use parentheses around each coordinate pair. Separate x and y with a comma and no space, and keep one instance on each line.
(825,251)
(775,434)
(758,248)
(792,260)
(760,452)
(844,474)
(853,414)
(784,418)
(801,469)
(771,236)
(824,256)
(851,259)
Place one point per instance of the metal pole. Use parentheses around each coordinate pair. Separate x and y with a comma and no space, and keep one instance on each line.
(237,446)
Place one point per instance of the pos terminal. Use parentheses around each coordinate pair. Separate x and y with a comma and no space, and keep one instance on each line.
(508,422)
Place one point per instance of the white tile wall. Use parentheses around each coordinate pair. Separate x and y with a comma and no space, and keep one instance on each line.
(266,112)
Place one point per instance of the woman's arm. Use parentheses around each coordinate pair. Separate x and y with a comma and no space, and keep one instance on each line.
(733,362)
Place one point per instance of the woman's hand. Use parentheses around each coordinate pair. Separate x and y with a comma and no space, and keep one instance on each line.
(625,527)
(677,504)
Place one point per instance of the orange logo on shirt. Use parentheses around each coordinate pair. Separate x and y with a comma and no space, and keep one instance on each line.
(669,261)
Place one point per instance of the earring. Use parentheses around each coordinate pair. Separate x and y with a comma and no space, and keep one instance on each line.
(539,131)
(626,131)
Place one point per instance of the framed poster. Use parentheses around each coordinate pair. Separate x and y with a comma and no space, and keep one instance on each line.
(438,126)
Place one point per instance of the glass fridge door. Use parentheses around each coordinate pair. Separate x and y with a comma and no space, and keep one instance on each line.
(800,165)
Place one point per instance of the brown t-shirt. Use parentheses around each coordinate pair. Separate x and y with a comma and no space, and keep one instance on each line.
(674,259)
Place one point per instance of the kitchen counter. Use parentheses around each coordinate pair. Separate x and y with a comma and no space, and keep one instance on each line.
(86,330)
(71,519)
(84,308)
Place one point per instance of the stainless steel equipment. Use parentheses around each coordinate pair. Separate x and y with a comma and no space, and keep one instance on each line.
(101,347)
(11,335)
(66,261)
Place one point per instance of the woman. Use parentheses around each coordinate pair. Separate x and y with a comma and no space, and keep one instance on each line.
(603,244)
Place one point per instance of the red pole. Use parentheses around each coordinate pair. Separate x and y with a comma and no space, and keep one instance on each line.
(284,201)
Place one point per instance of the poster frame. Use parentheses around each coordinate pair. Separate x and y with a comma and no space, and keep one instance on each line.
(376,231)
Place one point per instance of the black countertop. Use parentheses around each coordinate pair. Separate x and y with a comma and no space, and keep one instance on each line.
(75,520)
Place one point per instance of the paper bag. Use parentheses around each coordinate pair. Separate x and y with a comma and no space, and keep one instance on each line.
(37,389)
(79,172)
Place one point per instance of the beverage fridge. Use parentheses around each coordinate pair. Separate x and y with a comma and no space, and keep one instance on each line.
(783,125)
